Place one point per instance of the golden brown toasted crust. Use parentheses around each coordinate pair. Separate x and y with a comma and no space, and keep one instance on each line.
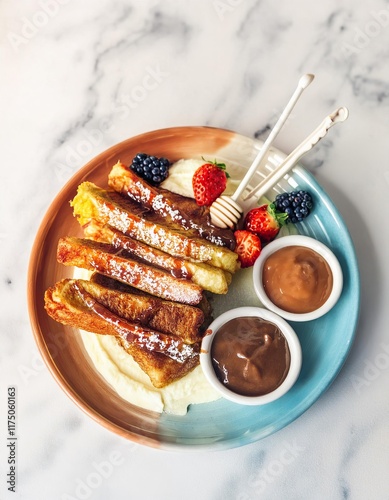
(92,202)
(171,318)
(160,369)
(207,277)
(162,357)
(184,330)
(174,208)
(106,259)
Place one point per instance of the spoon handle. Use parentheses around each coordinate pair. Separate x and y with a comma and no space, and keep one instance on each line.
(303,83)
(339,115)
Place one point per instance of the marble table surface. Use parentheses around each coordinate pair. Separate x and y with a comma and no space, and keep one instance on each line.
(79,77)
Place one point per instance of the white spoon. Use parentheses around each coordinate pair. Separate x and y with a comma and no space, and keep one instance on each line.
(225,211)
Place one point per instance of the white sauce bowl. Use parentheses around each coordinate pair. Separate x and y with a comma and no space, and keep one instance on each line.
(291,339)
(313,244)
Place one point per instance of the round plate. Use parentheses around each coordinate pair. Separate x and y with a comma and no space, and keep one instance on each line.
(221,424)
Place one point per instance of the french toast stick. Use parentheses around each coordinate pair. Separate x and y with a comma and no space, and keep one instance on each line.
(167,317)
(92,202)
(106,259)
(174,207)
(207,277)
(204,306)
(161,370)
(164,358)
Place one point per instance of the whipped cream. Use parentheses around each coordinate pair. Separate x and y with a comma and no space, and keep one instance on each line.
(132,384)
(180,176)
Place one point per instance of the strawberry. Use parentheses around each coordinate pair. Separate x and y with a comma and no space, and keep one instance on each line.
(208,182)
(265,221)
(248,247)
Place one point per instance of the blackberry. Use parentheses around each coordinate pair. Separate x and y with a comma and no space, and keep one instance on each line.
(154,170)
(296,204)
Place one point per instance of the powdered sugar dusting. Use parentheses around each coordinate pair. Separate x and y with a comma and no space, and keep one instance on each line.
(165,238)
(143,337)
(154,341)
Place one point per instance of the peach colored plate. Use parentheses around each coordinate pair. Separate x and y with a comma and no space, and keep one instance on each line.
(221,424)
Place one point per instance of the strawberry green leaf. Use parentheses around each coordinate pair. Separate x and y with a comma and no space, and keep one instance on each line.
(222,166)
(280,217)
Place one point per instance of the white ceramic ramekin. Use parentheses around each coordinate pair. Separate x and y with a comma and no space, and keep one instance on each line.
(292,341)
(313,244)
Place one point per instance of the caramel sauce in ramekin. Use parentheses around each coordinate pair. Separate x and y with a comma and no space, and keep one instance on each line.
(297,279)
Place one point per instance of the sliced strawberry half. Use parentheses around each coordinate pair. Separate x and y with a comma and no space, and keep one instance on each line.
(248,247)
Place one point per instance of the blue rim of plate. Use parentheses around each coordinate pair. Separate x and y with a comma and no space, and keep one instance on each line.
(325,342)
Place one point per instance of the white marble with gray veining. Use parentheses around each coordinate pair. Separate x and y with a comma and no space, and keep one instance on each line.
(78,77)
